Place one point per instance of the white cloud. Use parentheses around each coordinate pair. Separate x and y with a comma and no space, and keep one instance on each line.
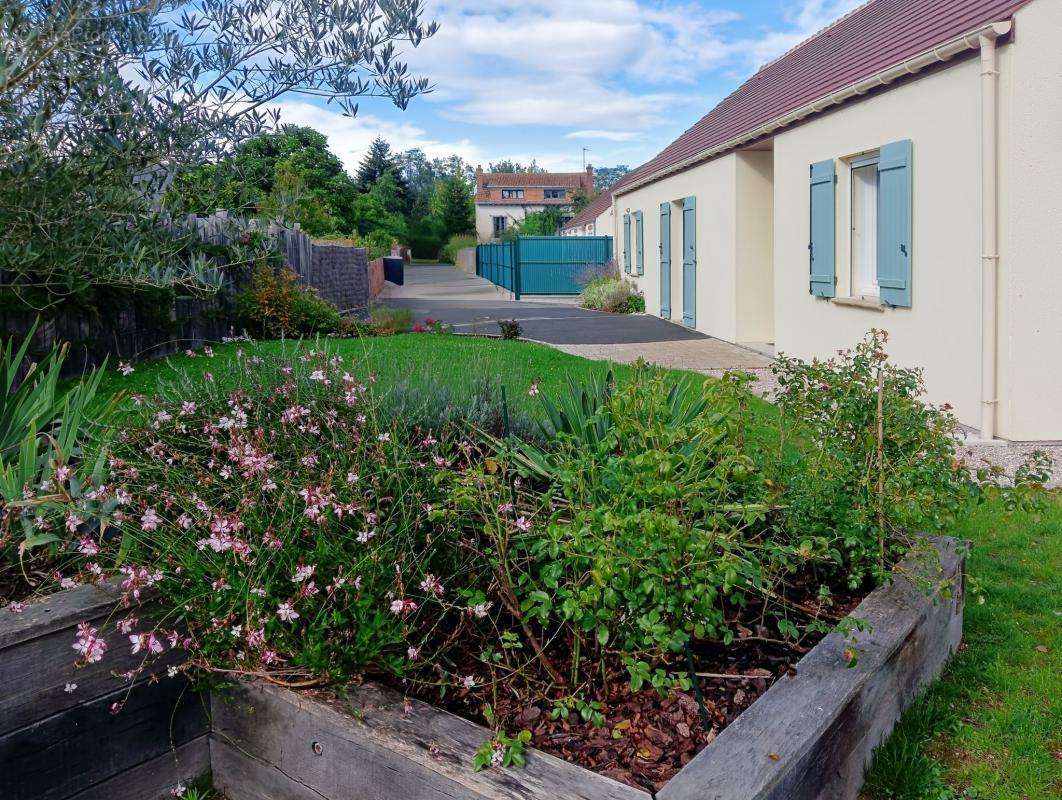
(567,63)
(614,71)
(611,136)
(349,137)
(806,19)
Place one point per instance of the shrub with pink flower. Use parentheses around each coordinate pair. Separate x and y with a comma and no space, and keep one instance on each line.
(288,521)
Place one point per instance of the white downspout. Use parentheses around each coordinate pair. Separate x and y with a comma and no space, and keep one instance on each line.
(989,231)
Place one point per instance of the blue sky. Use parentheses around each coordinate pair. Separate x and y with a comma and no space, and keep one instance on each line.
(522,80)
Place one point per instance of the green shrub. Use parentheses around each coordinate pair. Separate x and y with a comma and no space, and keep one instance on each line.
(635,529)
(612,293)
(636,304)
(876,461)
(510,328)
(455,243)
(388,320)
(426,238)
(377,243)
(275,305)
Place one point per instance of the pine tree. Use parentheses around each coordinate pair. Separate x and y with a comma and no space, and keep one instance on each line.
(380,161)
(453,205)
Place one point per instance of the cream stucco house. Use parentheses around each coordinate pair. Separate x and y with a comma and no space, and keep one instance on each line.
(899,170)
(503,199)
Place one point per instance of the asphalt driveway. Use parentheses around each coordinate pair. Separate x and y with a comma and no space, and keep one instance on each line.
(472,304)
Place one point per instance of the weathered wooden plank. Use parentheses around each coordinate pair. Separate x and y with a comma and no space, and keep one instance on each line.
(35,672)
(60,610)
(156,778)
(811,737)
(241,777)
(82,746)
(374,746)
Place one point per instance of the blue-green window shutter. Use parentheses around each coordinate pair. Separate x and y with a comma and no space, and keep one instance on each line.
(895,209)
(627,243)
(689,262)
(640,239)
(823,245)
(665,260)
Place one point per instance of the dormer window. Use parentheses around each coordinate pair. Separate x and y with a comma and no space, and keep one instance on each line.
(512,194)
(555,194)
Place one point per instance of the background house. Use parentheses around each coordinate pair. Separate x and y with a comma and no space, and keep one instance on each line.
(899,170)
(505,198)
(594,220)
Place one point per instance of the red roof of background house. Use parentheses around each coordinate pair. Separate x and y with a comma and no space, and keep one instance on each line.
(532,180)
(873,37)
(592,211)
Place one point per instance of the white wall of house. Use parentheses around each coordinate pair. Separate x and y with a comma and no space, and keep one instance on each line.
(485,215)
(753,216)
(713,184)
(734,244)
(755,246)
(603,225)
(1031,226)
(941,331)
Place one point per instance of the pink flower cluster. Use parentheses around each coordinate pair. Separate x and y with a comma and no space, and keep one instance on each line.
(88,644)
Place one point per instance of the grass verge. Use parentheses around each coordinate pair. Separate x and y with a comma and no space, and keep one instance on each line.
(991,729)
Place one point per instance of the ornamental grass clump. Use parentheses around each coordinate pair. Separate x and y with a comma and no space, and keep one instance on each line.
(614,294)
(52,466)
(286,520)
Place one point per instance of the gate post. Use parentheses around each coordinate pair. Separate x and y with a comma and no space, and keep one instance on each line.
(517,269)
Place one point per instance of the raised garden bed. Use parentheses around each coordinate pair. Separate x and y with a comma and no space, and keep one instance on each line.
(810,736)
(58,736)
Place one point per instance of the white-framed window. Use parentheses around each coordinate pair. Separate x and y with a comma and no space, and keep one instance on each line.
(512,194)
(864,225)
(499,225)
(554,194)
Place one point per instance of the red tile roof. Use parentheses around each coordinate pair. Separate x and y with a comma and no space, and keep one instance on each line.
(600,204)
(877,35)
(486,181)
(523,180)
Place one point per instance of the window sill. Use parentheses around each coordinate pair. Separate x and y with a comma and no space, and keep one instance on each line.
(869,303)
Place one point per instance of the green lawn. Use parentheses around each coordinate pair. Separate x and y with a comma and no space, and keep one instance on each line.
(992,728)
(422,360)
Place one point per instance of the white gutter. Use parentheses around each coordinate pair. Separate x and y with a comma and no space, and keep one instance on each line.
(943,52)
(989,227)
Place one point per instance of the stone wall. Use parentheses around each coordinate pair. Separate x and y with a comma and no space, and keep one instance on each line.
(340,273)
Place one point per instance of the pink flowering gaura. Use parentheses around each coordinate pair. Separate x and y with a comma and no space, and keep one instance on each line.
(146,643)
(287,613)
(88,644)
(150,520)
(401,608)
(432,585)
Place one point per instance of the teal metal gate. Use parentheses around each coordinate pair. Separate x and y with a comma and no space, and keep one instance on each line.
(540,265)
